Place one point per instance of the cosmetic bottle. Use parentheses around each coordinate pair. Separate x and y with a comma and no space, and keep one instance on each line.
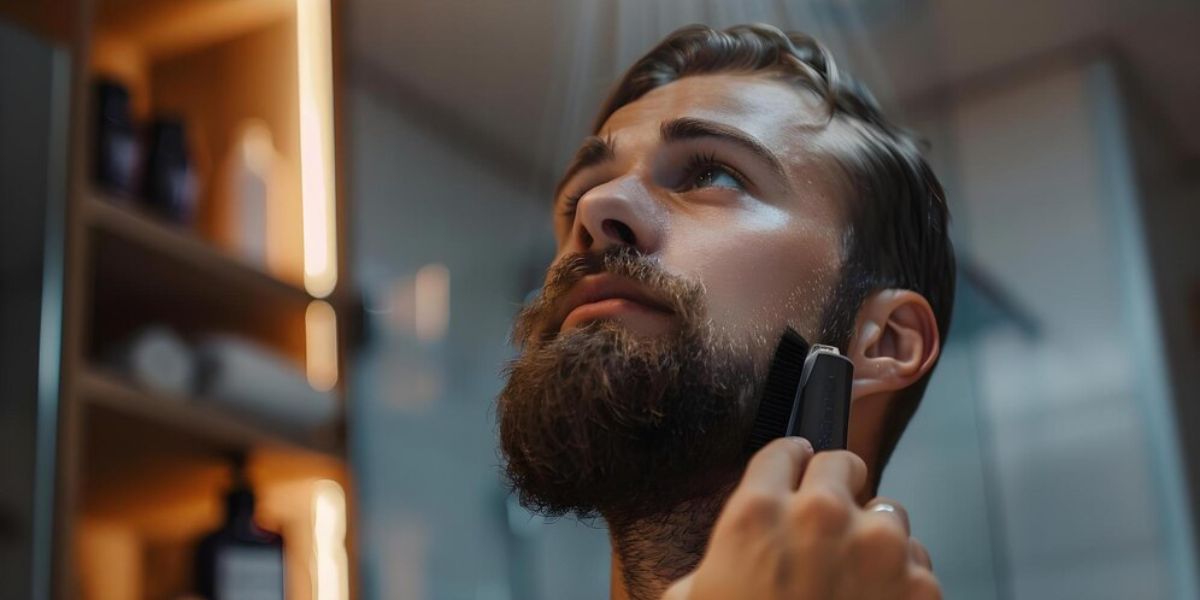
(170,183)
(240,561)
(251,169)
(115,154)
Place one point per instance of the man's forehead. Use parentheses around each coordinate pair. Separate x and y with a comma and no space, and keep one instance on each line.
(762,106)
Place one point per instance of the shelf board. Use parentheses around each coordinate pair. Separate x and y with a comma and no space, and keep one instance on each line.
(189,249)
(162,28)
(192,416)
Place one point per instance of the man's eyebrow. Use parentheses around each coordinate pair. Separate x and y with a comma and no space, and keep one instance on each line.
(690,128)
(594,151)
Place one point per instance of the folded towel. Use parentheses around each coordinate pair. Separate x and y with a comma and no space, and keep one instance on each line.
(157,359)
(253,380)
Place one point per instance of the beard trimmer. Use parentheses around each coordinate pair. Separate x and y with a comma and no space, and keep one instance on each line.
(807,393)
(822,410)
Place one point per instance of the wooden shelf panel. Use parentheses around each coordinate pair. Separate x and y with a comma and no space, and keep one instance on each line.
(208,423)
(145,272)
(188,249)
(150,490)
(160,28)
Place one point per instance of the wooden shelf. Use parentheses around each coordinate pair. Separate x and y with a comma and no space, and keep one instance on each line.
(161,28)
(142,473)
(194,417)
(188,249)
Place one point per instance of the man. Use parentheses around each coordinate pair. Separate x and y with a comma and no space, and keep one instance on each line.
(736,184)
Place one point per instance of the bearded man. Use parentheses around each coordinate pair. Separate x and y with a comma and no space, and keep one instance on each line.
(737,183)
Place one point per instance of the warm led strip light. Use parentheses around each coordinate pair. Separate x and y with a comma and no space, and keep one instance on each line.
(320,345)
(330,572)
(315,59)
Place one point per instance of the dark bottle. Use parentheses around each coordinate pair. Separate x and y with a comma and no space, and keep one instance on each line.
(115,158)
(240,561)
(170,186)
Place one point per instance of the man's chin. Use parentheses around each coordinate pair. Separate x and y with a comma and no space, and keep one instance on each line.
(621,407)
(601,419)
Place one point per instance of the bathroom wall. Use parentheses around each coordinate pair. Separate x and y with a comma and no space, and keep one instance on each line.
(437,522)
(1074,416)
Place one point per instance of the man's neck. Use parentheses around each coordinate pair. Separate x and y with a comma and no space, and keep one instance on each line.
(651,553)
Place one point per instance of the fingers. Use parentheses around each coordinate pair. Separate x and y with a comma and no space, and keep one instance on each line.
(770,478)
(777,468)
(839,471)
(795,527)
(919,554)
(879,547)
(891,508)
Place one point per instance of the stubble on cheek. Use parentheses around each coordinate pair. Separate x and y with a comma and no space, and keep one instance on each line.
(756,288)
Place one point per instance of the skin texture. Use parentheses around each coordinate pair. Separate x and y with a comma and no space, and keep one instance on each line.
(766,247)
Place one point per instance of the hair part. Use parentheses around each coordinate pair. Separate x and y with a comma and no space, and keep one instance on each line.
(897,227)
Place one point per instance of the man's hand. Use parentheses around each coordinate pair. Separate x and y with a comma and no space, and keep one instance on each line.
(792,529)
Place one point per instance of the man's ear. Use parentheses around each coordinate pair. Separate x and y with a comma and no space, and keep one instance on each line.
(895,342)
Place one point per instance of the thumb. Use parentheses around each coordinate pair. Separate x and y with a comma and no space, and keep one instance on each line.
(681,589)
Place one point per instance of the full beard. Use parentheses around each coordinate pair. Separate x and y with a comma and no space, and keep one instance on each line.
(600,420)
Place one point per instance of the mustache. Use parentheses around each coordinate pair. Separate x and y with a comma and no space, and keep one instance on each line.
(537,320)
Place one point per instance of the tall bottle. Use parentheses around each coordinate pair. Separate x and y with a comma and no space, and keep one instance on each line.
(240,561)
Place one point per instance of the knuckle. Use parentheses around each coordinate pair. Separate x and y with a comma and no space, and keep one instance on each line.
(856,462)
(821,458)
(785,446)
(842,456)
(822,508)
(791,446)
(752,509)
(858,469)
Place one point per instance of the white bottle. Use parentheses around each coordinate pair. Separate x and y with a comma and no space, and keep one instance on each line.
(252,162)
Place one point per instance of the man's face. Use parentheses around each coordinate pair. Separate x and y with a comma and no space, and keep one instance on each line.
(703,220)
(760,229)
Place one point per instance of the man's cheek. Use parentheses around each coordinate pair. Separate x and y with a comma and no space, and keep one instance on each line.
(759,296)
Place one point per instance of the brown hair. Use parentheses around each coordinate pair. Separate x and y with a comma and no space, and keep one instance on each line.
(896,236)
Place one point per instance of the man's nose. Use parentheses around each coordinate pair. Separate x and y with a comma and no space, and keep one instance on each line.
(618,213)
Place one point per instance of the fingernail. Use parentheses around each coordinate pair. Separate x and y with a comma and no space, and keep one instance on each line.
(891,511)
(884,507)
(803,442)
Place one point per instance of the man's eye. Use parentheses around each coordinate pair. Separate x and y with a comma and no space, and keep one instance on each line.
(716,176)
(705,171)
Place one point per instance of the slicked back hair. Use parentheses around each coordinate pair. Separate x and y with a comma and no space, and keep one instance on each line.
(897,227)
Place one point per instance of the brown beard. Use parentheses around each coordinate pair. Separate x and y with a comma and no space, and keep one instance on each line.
(598,420)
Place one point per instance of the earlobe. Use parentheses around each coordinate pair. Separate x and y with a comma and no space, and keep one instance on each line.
(896,342)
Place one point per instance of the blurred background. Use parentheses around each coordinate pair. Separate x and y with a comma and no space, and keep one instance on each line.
(260,259)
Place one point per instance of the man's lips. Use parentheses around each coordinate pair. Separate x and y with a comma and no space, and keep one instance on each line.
(605,296)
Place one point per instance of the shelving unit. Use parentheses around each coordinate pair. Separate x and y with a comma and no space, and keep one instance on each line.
(219,429)
(141,473)
(156,238)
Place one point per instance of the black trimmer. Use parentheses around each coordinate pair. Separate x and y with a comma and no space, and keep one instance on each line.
(807,394)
